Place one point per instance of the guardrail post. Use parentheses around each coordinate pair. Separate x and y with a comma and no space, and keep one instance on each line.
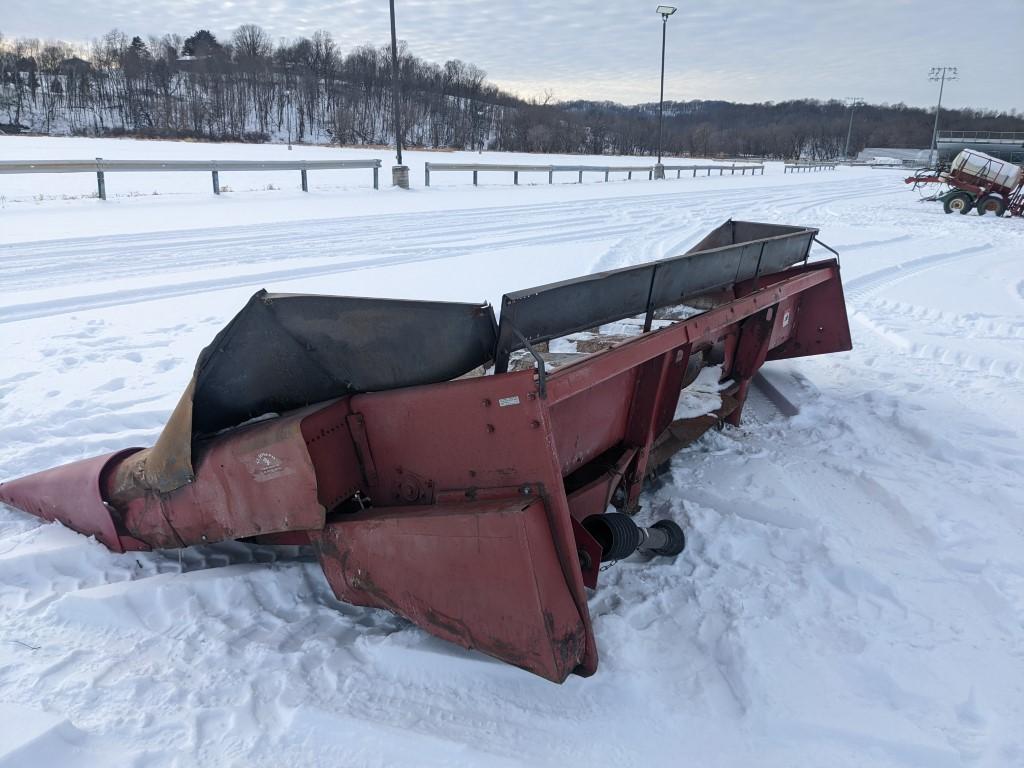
(551,176)
(305,181)
(695,173)
(101,184)
(606,174)
(678,173)
(650,175)
(630,176)
(475,179)
(426,174)
(515,177)
(376,180)
(216,182)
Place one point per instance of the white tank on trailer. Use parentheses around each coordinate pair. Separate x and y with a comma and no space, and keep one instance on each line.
(990,169)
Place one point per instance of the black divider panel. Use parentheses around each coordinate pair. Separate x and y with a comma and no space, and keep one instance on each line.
(734,251)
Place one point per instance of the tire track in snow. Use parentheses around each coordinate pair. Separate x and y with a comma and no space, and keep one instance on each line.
(863,285)
(416,237)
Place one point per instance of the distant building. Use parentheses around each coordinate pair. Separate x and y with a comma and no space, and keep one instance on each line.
(890,154)
(1005,145)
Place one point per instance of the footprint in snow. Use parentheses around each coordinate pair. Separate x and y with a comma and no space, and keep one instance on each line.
(111,386)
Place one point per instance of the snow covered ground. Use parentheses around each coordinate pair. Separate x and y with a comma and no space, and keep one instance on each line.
(853,589)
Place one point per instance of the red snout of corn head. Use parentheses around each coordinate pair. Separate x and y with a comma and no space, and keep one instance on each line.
(478,505)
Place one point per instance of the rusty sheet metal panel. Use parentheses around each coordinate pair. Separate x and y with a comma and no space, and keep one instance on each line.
(255,480)
(484,575)
(71,494)
(287,351)
(817,323)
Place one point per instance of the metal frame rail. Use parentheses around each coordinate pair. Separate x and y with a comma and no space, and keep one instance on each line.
(101,167)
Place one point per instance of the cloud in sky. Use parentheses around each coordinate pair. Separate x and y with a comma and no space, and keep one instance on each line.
(739,50)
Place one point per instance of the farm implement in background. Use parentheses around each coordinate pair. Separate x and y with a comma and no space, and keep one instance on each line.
(975,181)
(479,504)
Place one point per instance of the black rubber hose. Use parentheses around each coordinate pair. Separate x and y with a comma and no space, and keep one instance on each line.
(617,534)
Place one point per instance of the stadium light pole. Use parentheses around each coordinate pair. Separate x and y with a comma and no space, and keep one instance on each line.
(939,75)
(852,103)
(399,173)
(665,11)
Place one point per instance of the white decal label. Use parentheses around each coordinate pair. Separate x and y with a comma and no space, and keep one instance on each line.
(267,466)
(785,319)
(503,401)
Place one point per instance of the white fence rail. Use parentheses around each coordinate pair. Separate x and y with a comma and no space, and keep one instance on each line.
(607,170)
(101,167)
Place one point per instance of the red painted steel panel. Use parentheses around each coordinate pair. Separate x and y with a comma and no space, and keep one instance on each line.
(333,453)
(480,432)
(476,433)
(484,575)
(707,326)
(71,494)
(593,421)
(785,321)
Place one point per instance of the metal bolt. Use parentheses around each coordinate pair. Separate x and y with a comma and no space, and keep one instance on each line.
(535,424)
(486,402)
(526,490)
(490,427)
(585,561)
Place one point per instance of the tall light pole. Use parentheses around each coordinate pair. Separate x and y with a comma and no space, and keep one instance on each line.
(939,75)
(665,11)
(852,103)
(288,115)
(399,173)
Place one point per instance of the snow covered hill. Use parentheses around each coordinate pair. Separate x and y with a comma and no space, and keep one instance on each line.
(853,589)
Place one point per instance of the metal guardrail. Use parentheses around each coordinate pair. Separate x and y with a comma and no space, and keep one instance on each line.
(732,168)
(800,167)
(551,170)
(100,167)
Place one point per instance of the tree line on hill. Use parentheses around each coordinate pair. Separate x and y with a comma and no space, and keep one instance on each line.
(250,88)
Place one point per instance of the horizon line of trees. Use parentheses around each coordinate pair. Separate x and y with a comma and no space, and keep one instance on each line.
(250,88)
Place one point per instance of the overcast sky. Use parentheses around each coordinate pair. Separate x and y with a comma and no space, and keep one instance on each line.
(738,50)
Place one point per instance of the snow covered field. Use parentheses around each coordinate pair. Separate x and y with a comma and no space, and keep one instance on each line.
(853,589)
